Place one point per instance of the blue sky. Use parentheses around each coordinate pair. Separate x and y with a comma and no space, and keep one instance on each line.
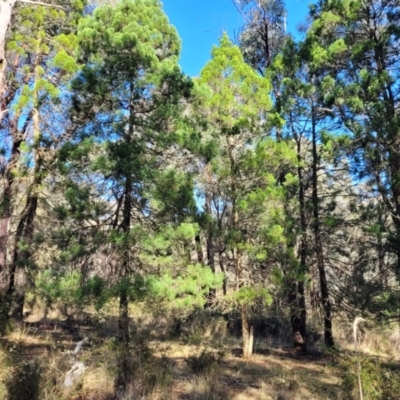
(200,23)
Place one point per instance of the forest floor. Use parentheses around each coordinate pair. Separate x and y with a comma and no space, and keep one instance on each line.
(36,356)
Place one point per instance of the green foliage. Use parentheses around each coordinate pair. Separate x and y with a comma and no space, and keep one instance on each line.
(239,96)
(43,33)
(53,286)
(137,287)
(94,291)
(380,381)
(187,290)
(250,295)
(172,196)
(69,291)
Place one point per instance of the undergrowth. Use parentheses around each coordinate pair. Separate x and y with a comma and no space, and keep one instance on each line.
(380,380)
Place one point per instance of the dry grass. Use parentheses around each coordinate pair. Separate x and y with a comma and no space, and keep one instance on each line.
(98,383)
(204,365)
(382,341)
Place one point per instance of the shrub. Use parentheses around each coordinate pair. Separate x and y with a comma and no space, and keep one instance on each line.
(379,381)
(22,381)
(206,362)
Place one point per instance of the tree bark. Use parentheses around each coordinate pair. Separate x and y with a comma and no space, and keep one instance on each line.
(3,248)
(223,270)
(298,315)
(247,333)
(25,227)
(247,322)
(210,240)
(123,322)
(199,249)
(326,304)
(296,295)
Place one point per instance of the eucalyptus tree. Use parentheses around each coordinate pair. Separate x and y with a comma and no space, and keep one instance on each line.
(40,48)
(246,168)
(127,98)
(264,32)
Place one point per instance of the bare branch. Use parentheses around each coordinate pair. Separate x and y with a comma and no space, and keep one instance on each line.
(40,3)
(240,11)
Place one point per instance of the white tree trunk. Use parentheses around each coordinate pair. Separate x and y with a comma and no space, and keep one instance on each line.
(6,7)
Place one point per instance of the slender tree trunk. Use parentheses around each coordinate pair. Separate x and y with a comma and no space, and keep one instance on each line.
(199,249)
(123,322)
(3,248)
(383,273)
(210,233)
(298,315)
(210,245)
(23,234)
(6,201)
(296,295)
(223,269)
(24,230)
(326,304)
(25,227)
(247,332)
(123,317)
(247,321)
(395,186)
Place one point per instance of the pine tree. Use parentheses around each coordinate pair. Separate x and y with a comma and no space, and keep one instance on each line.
(356,43)
(246,169)
(40,47)
(127,97)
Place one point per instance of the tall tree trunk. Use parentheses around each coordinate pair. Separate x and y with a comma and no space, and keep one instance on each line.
(247,322)
(3,249)
(6,201)
(296,294)
(223,270)
(24,234)
(210,233)
(326,304)
(123,317)
(298,315)
(25,227)
(210,244)
(123,322)
(395,185)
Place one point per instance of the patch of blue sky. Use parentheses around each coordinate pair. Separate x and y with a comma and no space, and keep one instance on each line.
(200,24)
